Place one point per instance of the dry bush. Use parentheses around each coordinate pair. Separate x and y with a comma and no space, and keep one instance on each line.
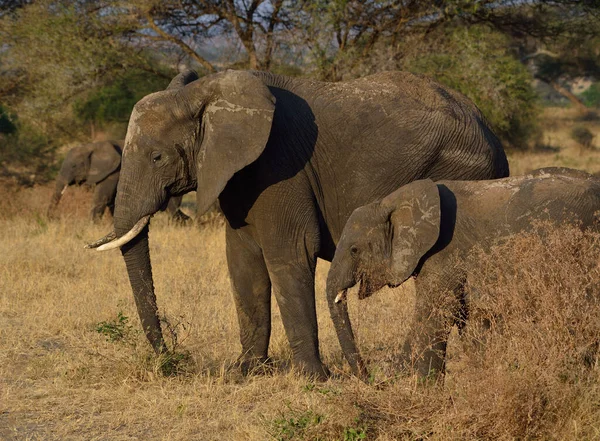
(537,375)
(26,203)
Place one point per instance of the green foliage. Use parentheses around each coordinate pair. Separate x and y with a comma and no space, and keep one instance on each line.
(63,51)
(582,136)
(591,97)
(6,125)
(26,153)
(114,102)
(477,62)
(354,434)
(295,426)
(116,330)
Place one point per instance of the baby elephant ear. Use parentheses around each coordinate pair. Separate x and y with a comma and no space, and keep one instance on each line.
(105,158)
(414,215)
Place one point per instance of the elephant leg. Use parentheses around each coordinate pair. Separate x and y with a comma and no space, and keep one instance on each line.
(252,294)
(104,196)
(293,281)
(425,348)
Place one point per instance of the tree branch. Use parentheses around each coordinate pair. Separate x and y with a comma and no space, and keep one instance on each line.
(186,48)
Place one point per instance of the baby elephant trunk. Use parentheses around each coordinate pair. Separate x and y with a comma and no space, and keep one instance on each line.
(338,308)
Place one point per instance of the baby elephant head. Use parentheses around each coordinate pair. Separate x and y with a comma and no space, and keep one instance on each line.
(381,244)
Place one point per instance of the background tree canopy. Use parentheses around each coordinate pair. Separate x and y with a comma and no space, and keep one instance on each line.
(72,70)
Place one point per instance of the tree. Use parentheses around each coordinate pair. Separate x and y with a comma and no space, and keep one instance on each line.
(478,62)
(187,25)
(55,52)
(112,104)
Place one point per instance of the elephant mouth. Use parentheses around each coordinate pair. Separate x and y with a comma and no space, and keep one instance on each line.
(366,289)
(111,241)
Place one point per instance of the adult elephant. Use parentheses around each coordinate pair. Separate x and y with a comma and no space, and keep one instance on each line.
(289,160)
(97,164)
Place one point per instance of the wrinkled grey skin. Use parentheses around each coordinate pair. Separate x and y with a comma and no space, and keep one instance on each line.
(99,164)
(289,160)
(419,227)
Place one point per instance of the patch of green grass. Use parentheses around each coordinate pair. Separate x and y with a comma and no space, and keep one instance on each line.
(295,425)
(354,434)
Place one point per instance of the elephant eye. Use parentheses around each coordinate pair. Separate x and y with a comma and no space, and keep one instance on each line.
(354,250)
(156,157)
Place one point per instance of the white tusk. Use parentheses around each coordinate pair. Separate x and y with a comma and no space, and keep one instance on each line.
(340,297)
(117,243)
(64,189)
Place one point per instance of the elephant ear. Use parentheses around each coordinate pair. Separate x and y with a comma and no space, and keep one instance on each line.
(414,216)
(105,158)
(236,124)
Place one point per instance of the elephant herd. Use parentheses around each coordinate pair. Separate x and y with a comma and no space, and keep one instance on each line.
(385,176)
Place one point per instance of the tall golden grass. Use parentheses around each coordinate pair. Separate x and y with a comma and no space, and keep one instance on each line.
(74,364)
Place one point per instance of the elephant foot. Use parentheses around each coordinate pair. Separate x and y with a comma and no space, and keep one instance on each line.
(255,365)
(315,370)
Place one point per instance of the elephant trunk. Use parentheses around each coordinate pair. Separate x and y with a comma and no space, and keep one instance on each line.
(338,309)
(59,189)
(136,254)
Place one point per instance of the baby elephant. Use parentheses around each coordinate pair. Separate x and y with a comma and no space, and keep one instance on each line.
(419,227)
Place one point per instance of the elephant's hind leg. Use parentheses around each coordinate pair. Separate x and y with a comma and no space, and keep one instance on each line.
(252,294)
(104,196)
(292,265)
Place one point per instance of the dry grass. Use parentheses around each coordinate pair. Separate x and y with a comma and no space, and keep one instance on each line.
(538,377)
(555,147)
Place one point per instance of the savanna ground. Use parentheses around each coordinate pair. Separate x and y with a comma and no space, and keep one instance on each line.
(74,365)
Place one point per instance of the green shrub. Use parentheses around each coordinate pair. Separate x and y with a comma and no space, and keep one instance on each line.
(296,425)
(116,330)
(26,153)
(113,103)
(591,97)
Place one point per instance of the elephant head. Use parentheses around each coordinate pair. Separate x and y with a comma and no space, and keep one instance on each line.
(381,244)
(86,164)
(192,136)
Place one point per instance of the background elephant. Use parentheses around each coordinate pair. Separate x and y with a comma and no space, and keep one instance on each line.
(289,160)
(419,227)
(98,164)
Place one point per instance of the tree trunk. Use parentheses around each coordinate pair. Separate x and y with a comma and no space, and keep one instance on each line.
(577,103)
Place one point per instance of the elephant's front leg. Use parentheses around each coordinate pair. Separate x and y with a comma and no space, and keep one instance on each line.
(425,346)
(252,294)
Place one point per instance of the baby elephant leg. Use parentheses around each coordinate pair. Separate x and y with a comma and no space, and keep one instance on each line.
(425,348)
